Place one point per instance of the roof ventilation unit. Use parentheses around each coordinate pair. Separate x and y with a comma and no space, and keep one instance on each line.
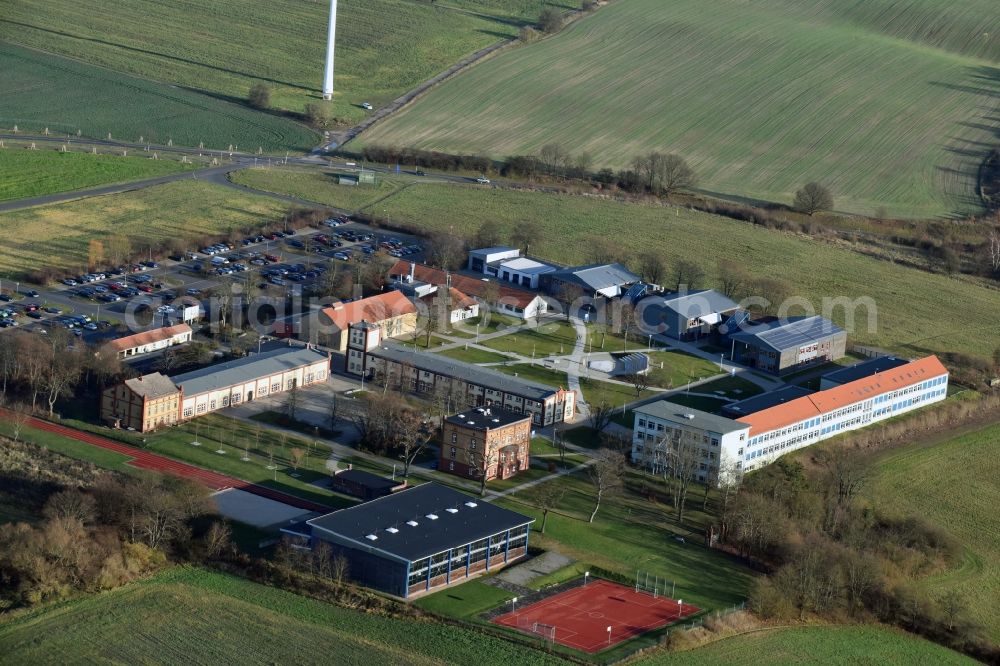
(471,505)
(689,417)
(431,516)
(452,510)
(371,537)
(391,530)
(412,523)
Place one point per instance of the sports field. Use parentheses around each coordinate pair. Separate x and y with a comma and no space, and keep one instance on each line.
(798,646)
(32,173)
(889,103)
(580,618)
(192,616)
(60,234)
(384,47)
(953,483)
(42,90)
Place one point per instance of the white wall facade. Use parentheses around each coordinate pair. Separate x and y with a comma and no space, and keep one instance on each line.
(210,401)
(766,447)
(652,437)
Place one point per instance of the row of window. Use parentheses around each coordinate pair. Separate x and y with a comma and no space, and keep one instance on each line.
(795,442)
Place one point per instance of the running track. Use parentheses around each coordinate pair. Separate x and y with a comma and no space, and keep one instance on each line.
(151,461)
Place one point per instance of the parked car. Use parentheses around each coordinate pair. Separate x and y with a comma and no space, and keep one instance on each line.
(483,180)
(70,282)
(366,106)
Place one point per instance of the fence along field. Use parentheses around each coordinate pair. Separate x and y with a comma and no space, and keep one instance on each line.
(953,484)
(760,97)
(42,90)
(384,47)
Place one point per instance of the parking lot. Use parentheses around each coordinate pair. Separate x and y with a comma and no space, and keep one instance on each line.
(279,264)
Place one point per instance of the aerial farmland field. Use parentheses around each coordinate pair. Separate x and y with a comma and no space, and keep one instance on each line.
(893,105)
(384,47)
(814,645)
(194,616)
(31,173)
(46,91)
(59,235)
(952,483)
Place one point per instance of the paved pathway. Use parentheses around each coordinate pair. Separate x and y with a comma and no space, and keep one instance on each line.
(573,367)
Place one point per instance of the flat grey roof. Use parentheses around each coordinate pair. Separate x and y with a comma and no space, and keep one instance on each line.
(246,369)
(764,401)
(597,276)
(695,418)
(487,418)
(864,369)
(492,250)
(690,305)
(448,529)
(443,365)
(790,333)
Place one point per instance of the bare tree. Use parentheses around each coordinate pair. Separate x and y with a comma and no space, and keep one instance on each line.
(525,233)
(607,475)
(993,250)
(18,416)
(71,504)
(601,415)
(292,402)
(554,157)
(684,461)
(547,496)
(639,381)
(480,462)
(813,198)
(446,250)
(298,455)
(412,440)
(487,235)
(602,249)
(664,174)
(652,268)
(732,278)
(490,294)
(570,294)
(688,274)
(218,538)
(339,568)
(772,292)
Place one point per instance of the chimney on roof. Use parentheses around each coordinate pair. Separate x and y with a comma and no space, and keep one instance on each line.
(413,270)
(447,279)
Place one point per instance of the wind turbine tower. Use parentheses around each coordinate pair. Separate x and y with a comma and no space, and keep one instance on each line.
(331,40)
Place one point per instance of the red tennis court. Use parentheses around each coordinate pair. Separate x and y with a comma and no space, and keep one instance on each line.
(581,616)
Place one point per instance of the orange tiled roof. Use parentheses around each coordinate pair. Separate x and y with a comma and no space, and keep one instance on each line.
(147,337)
(468,285)
(373,309)
(824,402)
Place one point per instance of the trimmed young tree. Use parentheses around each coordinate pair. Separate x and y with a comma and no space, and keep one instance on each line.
(606,474)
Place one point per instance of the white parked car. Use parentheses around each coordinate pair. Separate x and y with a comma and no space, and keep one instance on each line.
(366,106)
(483,180)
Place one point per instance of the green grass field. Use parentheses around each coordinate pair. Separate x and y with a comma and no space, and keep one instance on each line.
(384,47)
(760,97)
(193,616)
(913,308)
(32,173)
(473,355)
(43,90)
(678,369)
(953,483)
(549,339)
(319,185)
(874,646)
(631,533)
(60,234)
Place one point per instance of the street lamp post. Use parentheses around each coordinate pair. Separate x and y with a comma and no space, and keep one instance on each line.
(477,334)
(513,604)
(586,575)
(609,634)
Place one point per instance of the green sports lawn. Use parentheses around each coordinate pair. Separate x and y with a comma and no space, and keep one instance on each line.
(384,47)
(859,645)
(914,309)
(193,616)
(60,234)
(888,102)
(953,483)
(41,91)
(32,173)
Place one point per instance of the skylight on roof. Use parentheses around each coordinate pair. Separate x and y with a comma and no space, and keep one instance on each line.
(471,504)
(412,523)
(431,516)
(391,530)
(452,510)
(371,537)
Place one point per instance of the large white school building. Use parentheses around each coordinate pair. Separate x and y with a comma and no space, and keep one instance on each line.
(760,438)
